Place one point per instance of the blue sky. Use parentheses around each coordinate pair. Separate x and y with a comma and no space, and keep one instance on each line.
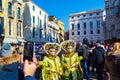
(63,8)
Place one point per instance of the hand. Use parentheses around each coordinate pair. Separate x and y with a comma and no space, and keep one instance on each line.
(30,67)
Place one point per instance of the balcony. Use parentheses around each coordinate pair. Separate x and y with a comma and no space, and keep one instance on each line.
(20,18)
(11,14)
(20,2)
(1,9)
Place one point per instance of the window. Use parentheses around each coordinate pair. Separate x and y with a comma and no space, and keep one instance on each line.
(38,21)
(20,30)
(45,22)
(108,11)
(0,4)
(90,14)
(40,12)
(98,24)
(91,32)
(98,31)
(2,21)
(72,26)
(18,13)
(97,13)
(33,32)
(72,33)
(84,25)
(33,19)
(84,15)
(79,33)
(91,25)
(1,25)
(84,32)
(33,8)
(72,17)
(78,26)
(10,30)
(9,8)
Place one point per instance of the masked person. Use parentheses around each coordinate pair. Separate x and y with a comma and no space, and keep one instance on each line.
(51,66)
(71,62)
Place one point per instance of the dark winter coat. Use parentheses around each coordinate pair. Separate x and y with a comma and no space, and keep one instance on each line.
(99,53)
(112,65)
(9,69)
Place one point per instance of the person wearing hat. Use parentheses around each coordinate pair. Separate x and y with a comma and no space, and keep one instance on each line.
(51,66)
(9,65)
(71,62)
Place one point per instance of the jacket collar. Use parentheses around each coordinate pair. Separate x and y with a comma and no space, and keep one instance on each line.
(9,59)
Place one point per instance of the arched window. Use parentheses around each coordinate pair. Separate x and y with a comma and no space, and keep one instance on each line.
(17,29)
(0,3)
(19,13)
(10,28)
(9,8)
(20,29)
(113,31)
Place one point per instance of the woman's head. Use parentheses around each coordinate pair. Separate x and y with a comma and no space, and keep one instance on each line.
(116,47)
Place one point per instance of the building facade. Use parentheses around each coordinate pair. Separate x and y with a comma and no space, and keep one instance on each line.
(53,31)
(66,37)
(35,23)
(11,16)
(112,26)
(61,30)
(86,25)
(60,25)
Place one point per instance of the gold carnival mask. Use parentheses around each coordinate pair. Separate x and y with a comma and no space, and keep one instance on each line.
(52,48)
(68,46)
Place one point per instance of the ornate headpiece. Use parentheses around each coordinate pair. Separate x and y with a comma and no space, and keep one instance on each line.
(66,44)
(49,46)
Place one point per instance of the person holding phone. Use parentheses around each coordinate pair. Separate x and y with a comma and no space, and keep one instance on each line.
(29,69)
(9,65)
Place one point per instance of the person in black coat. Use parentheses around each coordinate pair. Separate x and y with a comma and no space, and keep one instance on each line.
(99,53)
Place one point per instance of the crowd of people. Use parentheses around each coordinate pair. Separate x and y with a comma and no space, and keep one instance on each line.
(66,61)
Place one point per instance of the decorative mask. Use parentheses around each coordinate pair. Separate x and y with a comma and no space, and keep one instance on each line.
(68,46)
(52,48)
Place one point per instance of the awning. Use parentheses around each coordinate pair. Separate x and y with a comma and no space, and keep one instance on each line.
(10,40)
(21,40)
